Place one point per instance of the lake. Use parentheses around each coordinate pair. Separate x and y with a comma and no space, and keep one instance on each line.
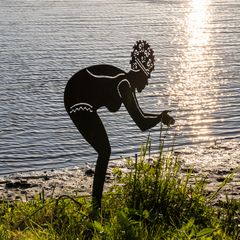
(43,43)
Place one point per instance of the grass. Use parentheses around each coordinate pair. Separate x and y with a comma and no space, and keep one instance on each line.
(153,200)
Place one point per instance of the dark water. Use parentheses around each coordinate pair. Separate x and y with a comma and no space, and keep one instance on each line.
(42,43)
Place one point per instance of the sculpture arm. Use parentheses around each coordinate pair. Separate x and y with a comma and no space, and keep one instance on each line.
(144,121)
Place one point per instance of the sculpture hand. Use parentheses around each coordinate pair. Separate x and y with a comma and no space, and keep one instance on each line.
(166,119)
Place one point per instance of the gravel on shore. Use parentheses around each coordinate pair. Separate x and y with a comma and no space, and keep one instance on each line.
(215,162)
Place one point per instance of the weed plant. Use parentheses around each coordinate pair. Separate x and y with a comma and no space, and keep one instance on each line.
(152,200)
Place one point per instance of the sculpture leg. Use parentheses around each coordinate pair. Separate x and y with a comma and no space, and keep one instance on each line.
(99,178)
(92,129)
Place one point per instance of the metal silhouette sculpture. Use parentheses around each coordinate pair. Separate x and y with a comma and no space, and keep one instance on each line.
(108,86)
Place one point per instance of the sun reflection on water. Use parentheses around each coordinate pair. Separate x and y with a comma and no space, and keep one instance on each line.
(192,85)
(196,23)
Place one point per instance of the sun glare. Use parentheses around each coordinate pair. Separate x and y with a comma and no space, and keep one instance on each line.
(196,23)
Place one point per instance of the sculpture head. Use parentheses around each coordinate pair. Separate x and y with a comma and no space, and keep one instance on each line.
(138,79)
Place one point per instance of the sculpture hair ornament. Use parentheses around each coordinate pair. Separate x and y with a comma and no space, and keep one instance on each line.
(142,57)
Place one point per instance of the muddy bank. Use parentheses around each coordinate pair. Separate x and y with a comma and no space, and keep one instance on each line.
(73,181)
(215,161)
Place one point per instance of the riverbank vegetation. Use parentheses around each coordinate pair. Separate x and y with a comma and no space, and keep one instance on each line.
(152,199)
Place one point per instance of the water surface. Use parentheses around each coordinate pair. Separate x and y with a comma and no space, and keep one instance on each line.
(197,47)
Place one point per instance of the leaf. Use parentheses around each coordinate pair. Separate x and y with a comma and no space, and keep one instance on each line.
(205,231)
(146,214)
(122,218)
(98,226)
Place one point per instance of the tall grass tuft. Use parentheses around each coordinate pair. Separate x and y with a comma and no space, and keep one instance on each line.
(157,193)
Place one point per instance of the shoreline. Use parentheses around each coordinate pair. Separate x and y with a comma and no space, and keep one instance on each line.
(215,162)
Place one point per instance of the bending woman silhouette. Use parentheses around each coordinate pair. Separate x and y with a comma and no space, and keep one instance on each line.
(106,85)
